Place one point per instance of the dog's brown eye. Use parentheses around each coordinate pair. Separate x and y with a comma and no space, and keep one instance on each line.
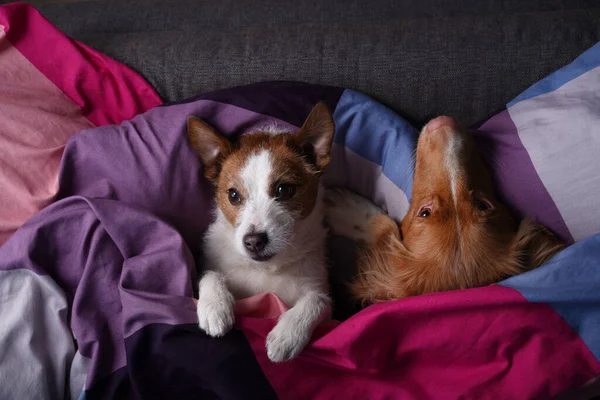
(234,197)
(424,212)
(284,191)
(483,204)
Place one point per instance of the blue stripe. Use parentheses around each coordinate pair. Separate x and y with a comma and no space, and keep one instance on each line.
(582,64)
(570,284)
(377,134)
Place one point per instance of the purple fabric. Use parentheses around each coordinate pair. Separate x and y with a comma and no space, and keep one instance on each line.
(120,267)
(209,369)
(115,386)
(515,177)
(284,100)
(223,368)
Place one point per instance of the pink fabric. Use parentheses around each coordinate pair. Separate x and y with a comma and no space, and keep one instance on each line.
(50,88)
(106,91)
(36,120)
(485,343)
(265,305)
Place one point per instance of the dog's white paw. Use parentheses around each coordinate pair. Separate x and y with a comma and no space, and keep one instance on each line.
(215,317)
(285,341)
(349,214)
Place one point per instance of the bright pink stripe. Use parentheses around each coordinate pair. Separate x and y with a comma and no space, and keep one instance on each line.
(106,90)
(473,344)
(36,120)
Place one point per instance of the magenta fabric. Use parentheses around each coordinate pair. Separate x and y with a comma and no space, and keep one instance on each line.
(458,348)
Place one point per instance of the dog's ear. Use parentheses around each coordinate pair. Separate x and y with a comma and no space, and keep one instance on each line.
(536,244)
(209,144)
(316,135)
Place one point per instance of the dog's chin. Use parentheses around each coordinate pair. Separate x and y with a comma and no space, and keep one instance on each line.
(261,257)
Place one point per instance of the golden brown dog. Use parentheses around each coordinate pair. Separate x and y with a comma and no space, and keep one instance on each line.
(456,234)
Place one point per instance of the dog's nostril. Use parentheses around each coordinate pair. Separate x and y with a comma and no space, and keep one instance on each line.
(256,242)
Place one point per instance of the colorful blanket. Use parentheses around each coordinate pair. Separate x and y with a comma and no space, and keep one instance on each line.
(96,290)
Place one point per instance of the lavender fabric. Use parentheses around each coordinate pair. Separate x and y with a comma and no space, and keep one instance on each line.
(121,268)
(516,179)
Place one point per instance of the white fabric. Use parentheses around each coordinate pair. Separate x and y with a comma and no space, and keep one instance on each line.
(561,132)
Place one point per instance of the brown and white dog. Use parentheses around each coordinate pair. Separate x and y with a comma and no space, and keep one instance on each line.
(456,234)
(268,235)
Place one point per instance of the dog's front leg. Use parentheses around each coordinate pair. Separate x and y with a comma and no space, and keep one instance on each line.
(295,326)
(215,305)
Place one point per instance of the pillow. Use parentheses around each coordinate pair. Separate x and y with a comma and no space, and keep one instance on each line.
(543,150)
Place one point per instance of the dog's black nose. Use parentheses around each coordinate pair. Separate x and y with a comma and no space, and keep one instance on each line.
(256,242)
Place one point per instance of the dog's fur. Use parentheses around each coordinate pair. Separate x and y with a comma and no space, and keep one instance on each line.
(270,236)
(456,234)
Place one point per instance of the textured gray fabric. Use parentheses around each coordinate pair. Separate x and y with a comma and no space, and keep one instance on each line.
(462,58)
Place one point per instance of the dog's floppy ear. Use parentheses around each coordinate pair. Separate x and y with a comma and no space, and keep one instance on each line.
(209,144)
(536,244)
(316,135)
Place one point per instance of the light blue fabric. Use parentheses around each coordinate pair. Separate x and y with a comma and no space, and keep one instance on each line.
(570,284)
(582,64)
(378,134)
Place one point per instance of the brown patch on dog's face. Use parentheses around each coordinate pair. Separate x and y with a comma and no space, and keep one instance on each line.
(291,175)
